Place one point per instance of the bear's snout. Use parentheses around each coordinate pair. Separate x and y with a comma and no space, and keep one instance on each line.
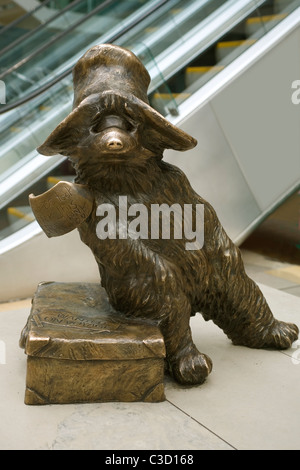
(114,141)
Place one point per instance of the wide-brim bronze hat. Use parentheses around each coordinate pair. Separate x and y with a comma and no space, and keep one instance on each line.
(111,76)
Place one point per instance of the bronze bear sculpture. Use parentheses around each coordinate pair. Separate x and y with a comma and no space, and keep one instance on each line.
(115,141)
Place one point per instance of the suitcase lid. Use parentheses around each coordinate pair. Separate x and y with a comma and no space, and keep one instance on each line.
(75,321)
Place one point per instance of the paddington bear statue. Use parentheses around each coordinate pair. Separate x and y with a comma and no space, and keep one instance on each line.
(115,141)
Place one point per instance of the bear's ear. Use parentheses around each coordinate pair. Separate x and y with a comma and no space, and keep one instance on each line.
(74,128)
(163,134)
(61,141)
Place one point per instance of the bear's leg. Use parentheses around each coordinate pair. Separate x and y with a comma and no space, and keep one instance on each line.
(185,363)
(242,311)
(255,325)
(170,309)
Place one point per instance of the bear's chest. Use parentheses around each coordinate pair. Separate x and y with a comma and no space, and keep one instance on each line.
(132,233)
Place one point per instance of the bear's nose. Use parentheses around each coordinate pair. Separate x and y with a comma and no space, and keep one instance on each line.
(114,143)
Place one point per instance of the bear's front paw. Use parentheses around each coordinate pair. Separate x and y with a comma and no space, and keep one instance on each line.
(189,366)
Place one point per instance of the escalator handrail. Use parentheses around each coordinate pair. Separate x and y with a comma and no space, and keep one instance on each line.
(56,38)
(38,28)
(65,73)
(23,17)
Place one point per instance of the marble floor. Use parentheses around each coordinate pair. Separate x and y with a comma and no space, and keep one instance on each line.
(250,400)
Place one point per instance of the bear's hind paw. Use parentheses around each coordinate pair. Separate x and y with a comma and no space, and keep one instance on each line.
(278,335)
(281,335)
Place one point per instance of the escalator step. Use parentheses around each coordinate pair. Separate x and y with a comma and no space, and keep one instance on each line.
(165,101)
(17,218)
(167,96)
(232,44)
(175,11)
(192,74)
(53,180)
(15,129)
(23,212)
(279,5)
(259,19)
(224,48)
(44,107)
(255,23)
(151,29)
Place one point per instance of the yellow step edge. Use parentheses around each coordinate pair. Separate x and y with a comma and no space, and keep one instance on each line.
(246,42)
(168,95)
(204,69)
(43,107)
(175,11)
(151,29)
(53,180)
(266,18)
(21,215)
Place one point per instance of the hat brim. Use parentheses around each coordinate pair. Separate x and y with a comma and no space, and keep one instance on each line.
(73,128)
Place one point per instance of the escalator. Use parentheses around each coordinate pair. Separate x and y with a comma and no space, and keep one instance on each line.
(35,58)
(18,19)
(193,50)
(29,112)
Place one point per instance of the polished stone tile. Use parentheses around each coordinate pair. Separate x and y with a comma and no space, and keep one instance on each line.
(138,426)
(295,290)
(90,426)
(8,306)
(250,401)
(270,272)
(256,259)
(291,273)
(263,277)
(251,398)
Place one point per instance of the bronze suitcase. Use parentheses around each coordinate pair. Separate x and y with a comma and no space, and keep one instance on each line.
(80,350)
